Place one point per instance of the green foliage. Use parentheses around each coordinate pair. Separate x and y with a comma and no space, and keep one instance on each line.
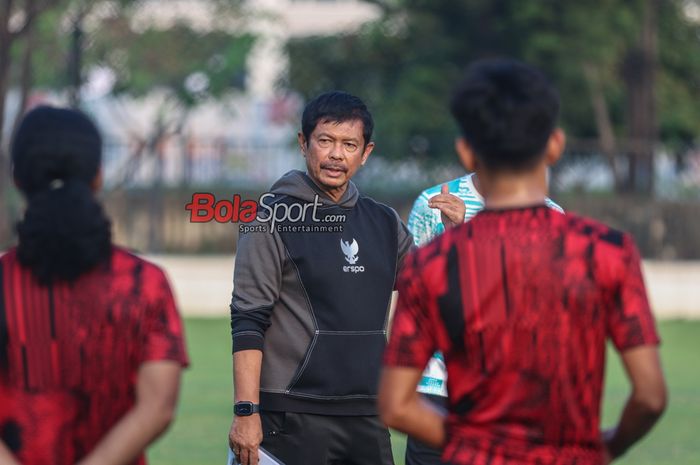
(679,79)
(171,59)
(49,52)
(407,62)
(192,65)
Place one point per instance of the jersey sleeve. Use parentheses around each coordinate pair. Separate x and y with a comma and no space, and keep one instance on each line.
(163,329)
(421,221)
(630,321)
(412,341)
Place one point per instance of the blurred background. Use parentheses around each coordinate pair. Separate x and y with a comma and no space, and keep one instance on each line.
(206,95)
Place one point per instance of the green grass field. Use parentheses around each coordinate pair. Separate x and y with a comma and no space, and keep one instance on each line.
(199,435)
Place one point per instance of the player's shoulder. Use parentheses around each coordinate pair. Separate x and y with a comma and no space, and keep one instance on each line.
(8,256)
(8,263)
(126,261)
(595,230)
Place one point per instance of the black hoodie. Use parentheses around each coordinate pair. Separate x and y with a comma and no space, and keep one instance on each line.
(316,302)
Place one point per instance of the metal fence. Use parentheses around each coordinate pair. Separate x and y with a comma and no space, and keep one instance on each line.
(147,188)
(182,161)
(178,161)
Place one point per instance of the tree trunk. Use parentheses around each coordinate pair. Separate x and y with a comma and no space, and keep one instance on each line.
(606,133)
(32,9)
(639,72)
(75,78)
(155,202)
(26,78)
(5,45)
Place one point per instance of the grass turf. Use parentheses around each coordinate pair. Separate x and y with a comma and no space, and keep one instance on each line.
(199,435)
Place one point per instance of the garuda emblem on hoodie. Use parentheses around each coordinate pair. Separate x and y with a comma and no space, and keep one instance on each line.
(350,250)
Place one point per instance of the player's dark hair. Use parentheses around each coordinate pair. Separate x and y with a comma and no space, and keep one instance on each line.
(506,111)
(56,155)
(337,107)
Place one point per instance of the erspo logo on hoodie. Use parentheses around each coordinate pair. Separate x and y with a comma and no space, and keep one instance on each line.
(350,250)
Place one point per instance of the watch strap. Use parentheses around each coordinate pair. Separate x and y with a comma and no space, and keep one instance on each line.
(245,408)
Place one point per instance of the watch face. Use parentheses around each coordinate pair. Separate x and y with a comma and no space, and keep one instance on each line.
(244,409)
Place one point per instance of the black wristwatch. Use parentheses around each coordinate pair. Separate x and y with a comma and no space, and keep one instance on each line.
(245,409)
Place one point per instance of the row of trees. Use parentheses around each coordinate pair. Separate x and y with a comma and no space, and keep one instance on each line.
(628,70)
(55,44)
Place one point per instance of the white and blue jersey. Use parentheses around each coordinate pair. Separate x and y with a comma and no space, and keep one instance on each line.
(425,223)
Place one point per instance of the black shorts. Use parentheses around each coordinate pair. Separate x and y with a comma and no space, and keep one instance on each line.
(307,439)
(418,453)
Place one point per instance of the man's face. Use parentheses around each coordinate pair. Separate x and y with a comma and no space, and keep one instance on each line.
(333,154)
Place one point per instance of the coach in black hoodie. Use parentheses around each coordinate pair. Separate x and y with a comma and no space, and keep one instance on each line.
(311,301)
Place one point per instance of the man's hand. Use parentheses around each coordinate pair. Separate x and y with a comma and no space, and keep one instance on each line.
(245,437)
(452,208)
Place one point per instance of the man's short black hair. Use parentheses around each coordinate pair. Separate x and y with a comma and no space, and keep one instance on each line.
(338,107)
(506,111)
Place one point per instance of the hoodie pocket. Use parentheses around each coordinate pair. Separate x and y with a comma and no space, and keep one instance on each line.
(341,364)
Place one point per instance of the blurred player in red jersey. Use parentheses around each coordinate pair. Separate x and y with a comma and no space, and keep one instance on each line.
(91,343)
(520,300)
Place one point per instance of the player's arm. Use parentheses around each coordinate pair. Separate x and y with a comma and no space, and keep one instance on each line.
(401,407)
(6,457)
(632,329)
(645,404)
(257,282)
(156,399)
(412,342)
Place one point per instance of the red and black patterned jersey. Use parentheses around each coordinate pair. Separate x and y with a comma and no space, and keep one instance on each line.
(70,353)
(521,303)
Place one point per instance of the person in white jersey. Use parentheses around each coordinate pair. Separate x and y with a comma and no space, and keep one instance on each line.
(436,208)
